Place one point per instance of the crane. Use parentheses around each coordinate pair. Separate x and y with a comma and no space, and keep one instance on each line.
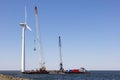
(38,41)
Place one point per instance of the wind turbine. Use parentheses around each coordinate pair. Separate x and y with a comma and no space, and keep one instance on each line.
(24,26)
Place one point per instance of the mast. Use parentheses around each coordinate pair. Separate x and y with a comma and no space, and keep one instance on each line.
(39,48)
(23,50)
(61,63)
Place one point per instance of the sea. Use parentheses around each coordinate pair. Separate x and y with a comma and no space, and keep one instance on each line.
(94,75)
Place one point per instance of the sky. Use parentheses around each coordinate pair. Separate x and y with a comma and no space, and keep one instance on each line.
(89,30)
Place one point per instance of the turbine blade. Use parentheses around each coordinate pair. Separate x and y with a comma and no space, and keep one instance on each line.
(28,28)
(25,15)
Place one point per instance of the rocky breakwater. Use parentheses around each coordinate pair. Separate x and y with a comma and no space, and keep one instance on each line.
(5,77)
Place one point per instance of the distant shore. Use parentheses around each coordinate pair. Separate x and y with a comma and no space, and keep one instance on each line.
(5,77)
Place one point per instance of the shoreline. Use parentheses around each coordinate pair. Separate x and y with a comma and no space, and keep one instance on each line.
(6,77)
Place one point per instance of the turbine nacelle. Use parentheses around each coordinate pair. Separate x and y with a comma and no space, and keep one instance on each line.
(25,25)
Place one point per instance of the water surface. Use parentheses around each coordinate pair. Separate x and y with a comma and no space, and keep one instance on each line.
(94,75)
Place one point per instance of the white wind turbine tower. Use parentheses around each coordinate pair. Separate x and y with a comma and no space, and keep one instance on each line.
(24,26)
